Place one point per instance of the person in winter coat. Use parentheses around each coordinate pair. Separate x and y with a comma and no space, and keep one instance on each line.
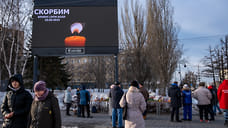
(203,95)
(175,93)
(78,103)
(215,103)
(116,95)
(222,94)
(16,104)
(110,100)
(145,94)
(45,112)
(210,106)
(187,103)
(84,102)
(68,100)
(136,105)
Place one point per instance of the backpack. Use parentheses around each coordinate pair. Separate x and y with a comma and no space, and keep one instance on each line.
(94,109)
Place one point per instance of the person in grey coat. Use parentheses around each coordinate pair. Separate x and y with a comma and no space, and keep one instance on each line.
(203,95)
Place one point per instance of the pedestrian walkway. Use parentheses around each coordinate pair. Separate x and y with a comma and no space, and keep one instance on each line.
(103,120)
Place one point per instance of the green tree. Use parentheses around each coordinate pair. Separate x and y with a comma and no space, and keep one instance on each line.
(51,70)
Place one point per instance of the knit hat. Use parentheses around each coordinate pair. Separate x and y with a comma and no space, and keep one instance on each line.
(117,83)
(174,84)
(210,87)
(135,84)
(40,86)
(185,86)
(68,88)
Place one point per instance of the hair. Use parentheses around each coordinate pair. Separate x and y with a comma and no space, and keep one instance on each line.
(141,83)
(135,83)
(202,84)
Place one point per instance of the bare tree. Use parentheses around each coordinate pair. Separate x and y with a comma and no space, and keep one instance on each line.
(97,68)
(210,63)
(162,39)
(217,61)
(149,39)
(134,59)
(15,22)
(190,79)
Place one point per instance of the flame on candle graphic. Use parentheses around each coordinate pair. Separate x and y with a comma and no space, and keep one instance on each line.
(75,41)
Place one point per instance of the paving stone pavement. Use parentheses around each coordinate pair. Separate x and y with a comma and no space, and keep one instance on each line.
(103,120)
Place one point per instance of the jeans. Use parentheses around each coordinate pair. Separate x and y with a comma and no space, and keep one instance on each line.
(118,112)
(216,107)
(79,111)
(211,112)
(187,111)
(225,112)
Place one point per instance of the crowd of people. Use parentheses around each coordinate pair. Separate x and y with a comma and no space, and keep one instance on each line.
(207,97)
(21,110)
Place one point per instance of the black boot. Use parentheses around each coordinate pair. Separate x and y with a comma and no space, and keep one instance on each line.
(226,123)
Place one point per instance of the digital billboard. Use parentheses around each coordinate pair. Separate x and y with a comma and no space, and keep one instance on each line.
(75,30)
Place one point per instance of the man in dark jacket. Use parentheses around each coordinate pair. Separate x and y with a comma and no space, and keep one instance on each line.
(175,93)
(145,94)
(16,104)
(116,95)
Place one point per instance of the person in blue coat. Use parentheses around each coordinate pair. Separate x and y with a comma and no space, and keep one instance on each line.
(84,102)
(187,103)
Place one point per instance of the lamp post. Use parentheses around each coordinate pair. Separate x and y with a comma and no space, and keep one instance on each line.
(180,71)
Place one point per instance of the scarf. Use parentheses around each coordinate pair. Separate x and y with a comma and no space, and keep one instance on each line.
(43,97)
(14,89)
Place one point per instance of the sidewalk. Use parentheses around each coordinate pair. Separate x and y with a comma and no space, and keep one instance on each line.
(103,120)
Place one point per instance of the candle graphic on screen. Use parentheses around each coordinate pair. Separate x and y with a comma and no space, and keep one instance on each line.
(75,41)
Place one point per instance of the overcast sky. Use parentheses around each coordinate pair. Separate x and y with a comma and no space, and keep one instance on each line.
(202,23)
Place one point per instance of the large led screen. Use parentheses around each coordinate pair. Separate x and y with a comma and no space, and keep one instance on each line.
(74,30)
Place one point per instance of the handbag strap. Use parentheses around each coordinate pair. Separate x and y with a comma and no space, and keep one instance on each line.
(125,98)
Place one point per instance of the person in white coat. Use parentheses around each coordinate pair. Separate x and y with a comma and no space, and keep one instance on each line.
(136,106)
(68,100)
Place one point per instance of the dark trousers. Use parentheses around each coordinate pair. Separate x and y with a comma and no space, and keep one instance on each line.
(145,112)
(211,112)
(203,111)
(175,110)
(68,105)
(79,110)
(83,110)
